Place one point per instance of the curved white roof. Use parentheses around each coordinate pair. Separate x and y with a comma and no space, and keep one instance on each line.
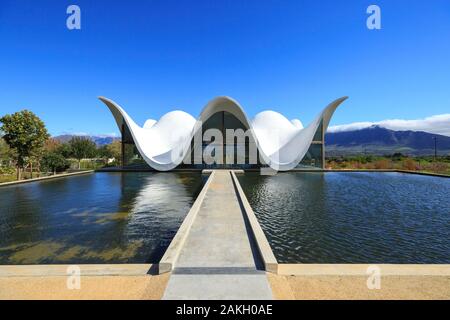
(164,143)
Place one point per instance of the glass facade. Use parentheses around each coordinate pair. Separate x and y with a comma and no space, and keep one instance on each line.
(318,136)
(222,149)
(130,155)
(314,158)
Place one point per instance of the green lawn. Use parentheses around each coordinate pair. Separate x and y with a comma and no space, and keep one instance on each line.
(25,175)
(7,178)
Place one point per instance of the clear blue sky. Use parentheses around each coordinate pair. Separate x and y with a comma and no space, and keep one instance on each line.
(290,56)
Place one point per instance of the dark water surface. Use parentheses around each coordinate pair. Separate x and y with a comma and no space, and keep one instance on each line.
(353,217)
(94,218)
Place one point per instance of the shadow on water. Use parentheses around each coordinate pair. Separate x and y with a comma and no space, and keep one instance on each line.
(98,218)
(353,217)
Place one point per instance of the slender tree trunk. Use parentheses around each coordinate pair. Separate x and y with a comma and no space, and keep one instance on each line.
(19,177)
(54,171)
(79,164)
(31,170)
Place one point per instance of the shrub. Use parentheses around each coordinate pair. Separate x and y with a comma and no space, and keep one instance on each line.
(7,170)
(370,166)
(382,164)
(409,164)
(54,162)
(438,167)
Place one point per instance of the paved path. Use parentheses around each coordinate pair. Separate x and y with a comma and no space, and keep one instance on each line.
(218,260)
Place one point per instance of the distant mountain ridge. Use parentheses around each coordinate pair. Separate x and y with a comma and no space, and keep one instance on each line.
(98,140)
(379,140)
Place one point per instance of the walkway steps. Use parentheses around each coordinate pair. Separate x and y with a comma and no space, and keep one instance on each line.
(219,258)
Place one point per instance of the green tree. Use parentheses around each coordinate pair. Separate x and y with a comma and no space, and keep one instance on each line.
(4,152)
(111,151)
(64,149)
(82,148)
(26,134)
(104,152)
(115,149)
(54,162)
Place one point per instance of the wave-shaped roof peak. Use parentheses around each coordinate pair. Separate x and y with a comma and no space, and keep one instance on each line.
(165,143)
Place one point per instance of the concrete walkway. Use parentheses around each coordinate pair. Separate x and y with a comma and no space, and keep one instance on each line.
(219,259)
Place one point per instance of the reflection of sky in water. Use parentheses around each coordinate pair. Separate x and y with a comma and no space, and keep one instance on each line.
(353,217)
(98,218)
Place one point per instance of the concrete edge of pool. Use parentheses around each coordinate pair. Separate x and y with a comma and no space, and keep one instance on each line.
(55,270)
(267,255)
(362,269)
(359,170)
(57,176)
(170,257)
(7,271)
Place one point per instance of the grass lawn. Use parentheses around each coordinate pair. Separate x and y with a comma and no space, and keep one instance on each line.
(25,175)
(7,178)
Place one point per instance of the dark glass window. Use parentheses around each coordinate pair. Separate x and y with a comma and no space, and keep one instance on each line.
(130,154)
(231,122)
(319,133)
(214,122)
(222,121)
(313,158)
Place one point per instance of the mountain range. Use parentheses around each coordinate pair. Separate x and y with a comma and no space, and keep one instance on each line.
(379,140)
(99,140)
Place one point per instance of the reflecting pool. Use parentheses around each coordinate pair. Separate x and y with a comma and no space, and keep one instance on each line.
(94,218)
(353,217)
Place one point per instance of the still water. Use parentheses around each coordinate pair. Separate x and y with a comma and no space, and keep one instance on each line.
(95,218)
(353,217)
